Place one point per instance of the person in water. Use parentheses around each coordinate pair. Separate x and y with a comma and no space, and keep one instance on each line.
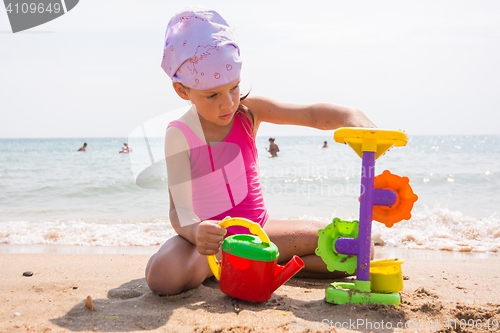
(212,159)
(325,144)
(273,148)
(83,148)
(125,148)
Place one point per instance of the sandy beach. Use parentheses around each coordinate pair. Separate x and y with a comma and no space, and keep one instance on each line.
(458,289)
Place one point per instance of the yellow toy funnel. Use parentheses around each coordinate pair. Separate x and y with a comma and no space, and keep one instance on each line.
(370,139)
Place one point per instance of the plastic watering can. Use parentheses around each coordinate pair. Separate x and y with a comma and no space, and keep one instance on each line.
(249,267)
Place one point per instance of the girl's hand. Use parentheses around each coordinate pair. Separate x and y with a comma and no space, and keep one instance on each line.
(209,236)
(356,118)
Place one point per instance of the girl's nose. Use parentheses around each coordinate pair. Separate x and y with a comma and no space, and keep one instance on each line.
(227,102)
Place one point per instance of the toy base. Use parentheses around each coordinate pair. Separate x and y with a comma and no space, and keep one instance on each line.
(342,293)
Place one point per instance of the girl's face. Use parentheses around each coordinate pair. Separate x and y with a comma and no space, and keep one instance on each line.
(217,105)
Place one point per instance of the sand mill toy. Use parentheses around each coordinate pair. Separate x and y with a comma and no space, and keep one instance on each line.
(345,245)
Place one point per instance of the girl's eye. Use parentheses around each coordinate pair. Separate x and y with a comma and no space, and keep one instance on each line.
(212,96)
(236,87)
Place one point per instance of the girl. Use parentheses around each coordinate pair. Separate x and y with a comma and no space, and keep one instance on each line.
(211,156)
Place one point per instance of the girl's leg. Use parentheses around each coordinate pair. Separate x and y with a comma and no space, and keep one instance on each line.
(177,266)
(300,237)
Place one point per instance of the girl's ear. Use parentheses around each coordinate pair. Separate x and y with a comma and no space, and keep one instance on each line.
(181,90)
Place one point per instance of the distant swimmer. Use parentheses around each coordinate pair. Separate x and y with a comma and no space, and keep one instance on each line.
(273,148)
(125,149)
(325,145)
(83,148)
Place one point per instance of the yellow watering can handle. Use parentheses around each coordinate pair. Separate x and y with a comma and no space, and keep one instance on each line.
(254,229)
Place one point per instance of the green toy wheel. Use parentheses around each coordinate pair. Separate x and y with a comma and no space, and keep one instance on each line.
(326,245)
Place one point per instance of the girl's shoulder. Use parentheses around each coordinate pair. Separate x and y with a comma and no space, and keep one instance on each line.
(175,140)
(266,109)
(188,127)
(258,103)
(261,105)
(257,106)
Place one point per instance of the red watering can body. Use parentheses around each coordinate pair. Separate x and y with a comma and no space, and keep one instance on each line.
(249,267)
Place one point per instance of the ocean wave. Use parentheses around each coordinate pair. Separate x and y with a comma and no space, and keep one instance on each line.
(442,229)
(433,229)
(86,232)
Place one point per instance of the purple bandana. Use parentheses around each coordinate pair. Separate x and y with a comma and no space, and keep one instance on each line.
(200,50)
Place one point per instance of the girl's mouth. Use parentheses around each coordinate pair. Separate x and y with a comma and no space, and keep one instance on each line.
(226,116)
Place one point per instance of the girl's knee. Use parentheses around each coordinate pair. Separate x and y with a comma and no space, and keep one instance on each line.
(170,273)
(162,277)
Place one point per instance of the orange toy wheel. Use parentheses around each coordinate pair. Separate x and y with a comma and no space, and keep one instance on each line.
(401,210)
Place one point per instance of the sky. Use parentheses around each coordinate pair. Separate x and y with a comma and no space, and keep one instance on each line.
(428,67)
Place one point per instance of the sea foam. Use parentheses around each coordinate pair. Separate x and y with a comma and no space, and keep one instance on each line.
(442,229)
(433,229)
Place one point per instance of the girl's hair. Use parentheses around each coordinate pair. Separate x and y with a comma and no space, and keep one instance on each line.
(247,117)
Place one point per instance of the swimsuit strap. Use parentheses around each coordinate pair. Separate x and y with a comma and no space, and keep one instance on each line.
(192,139)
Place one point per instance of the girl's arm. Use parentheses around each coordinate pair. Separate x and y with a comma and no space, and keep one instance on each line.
(205,235)
(321,116)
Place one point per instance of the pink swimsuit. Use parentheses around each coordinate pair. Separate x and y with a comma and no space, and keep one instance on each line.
(225,178)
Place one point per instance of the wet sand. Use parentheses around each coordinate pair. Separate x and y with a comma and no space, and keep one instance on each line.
(458,289)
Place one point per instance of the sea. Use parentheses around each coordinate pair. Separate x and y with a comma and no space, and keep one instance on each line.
(54,195)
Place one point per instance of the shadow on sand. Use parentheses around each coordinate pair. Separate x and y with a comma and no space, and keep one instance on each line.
(132,307)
